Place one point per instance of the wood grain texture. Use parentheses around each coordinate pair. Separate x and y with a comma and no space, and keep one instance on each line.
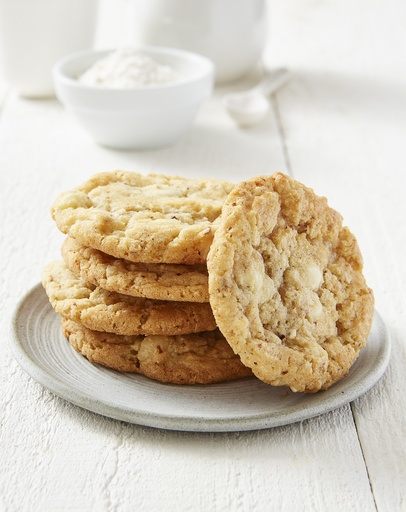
(350,149)
(339,127)
(48,442)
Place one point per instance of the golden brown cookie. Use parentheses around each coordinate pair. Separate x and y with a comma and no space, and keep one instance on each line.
(149,219)
(160,281)
(102,310)
(201,358)
(286,284)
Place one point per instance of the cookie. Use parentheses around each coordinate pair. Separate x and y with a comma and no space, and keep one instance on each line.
(101,310)
(148,219)
(160,281)
(201,358)
(286,284)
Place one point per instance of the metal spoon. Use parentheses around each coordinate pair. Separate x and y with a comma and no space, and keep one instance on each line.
(248,108)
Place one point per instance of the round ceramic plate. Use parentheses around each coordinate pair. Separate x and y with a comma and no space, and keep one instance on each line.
(42,351)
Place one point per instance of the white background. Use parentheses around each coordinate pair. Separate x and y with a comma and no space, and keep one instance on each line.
(340,128)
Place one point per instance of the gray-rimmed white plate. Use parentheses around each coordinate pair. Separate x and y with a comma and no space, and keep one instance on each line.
(42,351)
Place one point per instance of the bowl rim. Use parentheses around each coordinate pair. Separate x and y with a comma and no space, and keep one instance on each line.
(60,75)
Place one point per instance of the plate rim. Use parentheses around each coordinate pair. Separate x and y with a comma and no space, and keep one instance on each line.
(257,421)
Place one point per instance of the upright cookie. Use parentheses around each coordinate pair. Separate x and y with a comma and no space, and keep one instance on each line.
(149,219)
(202,358)
(101,310)
(160,281)
(286,284)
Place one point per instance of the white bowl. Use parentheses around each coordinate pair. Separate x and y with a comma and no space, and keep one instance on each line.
(142,117)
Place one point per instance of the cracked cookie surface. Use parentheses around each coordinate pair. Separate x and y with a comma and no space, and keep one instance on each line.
(143,218)
(160,281)
(101,310)
(286,284)
(201,358)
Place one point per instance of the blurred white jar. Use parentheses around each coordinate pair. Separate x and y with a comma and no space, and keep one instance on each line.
(34,34)
(232,33)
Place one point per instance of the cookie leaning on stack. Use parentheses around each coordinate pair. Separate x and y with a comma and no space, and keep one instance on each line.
(148,313)
(286,284)
(284,278)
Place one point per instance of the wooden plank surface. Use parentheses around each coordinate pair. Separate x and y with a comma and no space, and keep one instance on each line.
(236,471)
(344,119)
(338,127)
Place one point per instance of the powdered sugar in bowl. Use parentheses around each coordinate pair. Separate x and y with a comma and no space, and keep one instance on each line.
(128,68)
(134,98)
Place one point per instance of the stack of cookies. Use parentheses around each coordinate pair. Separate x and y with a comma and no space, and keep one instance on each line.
(201,281)
(132,289)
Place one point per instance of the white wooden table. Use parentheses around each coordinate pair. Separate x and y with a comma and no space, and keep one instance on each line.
(340,128)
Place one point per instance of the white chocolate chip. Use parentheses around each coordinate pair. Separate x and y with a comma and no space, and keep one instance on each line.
(316,309)
(314,276)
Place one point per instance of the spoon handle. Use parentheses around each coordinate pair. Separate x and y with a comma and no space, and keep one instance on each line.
(274,81)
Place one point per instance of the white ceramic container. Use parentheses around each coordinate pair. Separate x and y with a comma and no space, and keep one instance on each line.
(232,33)
(34,34)
(139,118)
